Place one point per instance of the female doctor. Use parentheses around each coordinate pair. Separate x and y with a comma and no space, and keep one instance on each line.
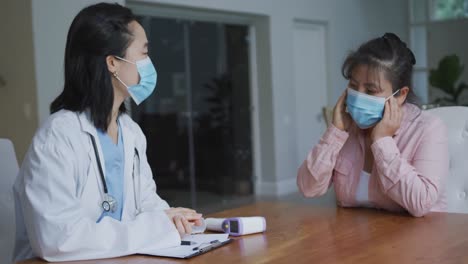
(85,189)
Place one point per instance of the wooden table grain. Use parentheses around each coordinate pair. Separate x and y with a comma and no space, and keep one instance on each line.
(299,233)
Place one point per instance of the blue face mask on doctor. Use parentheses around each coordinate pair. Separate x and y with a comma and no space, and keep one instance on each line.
(148,78)
(366,110)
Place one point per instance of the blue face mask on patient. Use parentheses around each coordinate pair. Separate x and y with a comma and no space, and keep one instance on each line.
(366,110)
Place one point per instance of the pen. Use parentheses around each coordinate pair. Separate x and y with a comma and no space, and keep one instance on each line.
(211,242)
(187,243)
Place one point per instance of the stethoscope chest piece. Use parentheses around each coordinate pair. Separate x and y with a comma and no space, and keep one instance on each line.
(109,204)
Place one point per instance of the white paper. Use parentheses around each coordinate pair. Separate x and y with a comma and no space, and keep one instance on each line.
(201,240)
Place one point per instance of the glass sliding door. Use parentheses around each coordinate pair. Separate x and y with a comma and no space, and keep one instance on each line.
(198,120)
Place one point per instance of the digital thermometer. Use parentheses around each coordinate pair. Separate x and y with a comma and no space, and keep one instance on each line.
(237,226)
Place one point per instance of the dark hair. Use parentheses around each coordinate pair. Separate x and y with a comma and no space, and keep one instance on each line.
(96,32)
(387,54)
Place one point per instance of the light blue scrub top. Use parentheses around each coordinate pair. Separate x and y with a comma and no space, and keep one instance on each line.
(114,165)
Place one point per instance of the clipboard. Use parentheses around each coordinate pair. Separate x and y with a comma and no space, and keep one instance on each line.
(209,248)
(204,243)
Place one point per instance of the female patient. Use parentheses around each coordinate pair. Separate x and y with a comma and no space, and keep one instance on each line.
(380,151)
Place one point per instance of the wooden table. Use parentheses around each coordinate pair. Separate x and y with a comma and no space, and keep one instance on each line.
(309,234)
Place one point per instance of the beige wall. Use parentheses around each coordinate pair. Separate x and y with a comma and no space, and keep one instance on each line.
(18,107)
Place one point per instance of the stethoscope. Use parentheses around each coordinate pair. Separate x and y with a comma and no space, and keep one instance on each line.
(109,204)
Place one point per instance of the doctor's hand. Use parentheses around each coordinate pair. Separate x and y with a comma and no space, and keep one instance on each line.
(341,119)
(183,219)
(390,122)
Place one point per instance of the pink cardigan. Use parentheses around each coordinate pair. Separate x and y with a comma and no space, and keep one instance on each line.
(409,173)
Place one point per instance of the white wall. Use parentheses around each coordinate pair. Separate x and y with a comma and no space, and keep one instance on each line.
(51,20)
(349,23)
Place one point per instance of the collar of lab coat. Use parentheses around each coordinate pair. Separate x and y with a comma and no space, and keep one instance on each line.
(128,132)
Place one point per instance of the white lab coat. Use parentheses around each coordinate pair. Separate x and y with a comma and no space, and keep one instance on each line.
(58,195)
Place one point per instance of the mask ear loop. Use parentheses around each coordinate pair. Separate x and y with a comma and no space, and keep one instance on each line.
(125,60)
(115,73)
(118,79)
(388,98)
